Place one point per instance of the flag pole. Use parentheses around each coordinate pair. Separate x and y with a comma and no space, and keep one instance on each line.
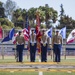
(28,49)
(65,44)
(2,52)
(38,24)
(63,33)
(39,52)
(51,49)
(65,50)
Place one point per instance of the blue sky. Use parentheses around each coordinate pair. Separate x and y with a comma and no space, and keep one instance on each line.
(68,5)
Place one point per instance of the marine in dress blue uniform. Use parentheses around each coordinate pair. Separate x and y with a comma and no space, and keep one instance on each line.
(33,45)
(20,42)
(57,44)
(44,45)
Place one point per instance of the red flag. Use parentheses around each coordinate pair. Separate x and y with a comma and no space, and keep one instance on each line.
(1,33)
(38,33)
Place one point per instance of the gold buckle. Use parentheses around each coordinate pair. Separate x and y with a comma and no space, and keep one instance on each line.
(32,44)
(44,45)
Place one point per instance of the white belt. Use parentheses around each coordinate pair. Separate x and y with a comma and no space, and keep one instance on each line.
(43,42)
(20,44)
(57,43)
(32,42)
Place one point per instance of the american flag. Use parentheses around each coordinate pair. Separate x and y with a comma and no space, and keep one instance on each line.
(26,30)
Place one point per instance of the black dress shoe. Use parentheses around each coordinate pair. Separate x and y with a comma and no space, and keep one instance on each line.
(45,61)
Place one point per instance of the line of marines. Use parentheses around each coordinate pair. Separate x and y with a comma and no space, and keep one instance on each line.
(44,44)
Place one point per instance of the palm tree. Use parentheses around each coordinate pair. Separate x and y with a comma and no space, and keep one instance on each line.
(2,15)
(48,14)
(16,15)
(55,15)
(24,12)
(32,16)
(1,4)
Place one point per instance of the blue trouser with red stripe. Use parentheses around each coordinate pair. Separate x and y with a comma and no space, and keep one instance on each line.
(32,52)
(20,52)
(57,52)
(43,53)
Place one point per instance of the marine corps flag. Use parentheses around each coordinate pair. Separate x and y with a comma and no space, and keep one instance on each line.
(38,33)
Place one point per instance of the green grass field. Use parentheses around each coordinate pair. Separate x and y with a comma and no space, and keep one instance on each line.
(36,73)
(11,59)
(70,60)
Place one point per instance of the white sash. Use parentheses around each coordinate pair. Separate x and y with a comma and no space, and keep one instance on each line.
(32,42)
(44,43)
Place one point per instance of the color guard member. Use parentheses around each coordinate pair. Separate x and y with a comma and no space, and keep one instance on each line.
(44,45)
(20,42)
(56,44)
(32,44)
